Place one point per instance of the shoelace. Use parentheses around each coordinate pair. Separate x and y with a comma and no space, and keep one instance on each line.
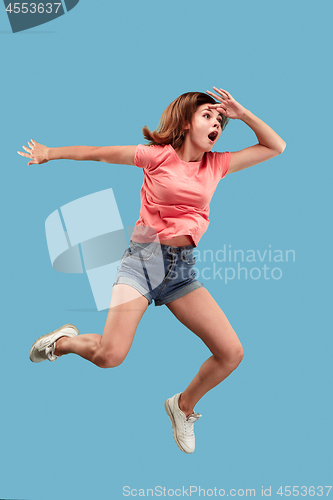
(189,422)
(49,351)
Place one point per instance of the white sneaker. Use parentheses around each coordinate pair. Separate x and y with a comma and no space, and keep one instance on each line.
(44,347)
(181,424)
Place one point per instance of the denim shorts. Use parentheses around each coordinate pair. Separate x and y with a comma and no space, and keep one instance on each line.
(159,272)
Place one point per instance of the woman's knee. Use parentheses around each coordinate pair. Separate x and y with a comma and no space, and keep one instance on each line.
(233,356)
(109,358)
(237,354)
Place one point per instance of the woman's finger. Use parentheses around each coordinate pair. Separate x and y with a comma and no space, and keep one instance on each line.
(217,97)
(220,109)
(216,106)
(24,154)
(26,149)
(222,92)
(31,145)
(209,92)
(226,92)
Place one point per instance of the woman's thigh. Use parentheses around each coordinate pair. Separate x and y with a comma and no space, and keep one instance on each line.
(199,312)
(126,310)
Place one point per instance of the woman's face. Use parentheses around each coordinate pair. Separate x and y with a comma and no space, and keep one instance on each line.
(205,128)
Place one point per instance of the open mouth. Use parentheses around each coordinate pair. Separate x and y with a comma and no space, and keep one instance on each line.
(212,136)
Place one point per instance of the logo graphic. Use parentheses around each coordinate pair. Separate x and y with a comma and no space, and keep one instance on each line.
(87,235)
(25,15)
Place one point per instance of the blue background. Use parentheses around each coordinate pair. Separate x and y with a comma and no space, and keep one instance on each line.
(95,76)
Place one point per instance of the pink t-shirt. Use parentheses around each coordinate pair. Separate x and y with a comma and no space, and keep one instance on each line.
(175,194)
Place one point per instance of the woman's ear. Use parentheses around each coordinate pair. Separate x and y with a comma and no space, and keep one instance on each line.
(186,126)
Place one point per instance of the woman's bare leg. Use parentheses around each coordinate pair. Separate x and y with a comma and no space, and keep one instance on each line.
(110,349)
(202,315)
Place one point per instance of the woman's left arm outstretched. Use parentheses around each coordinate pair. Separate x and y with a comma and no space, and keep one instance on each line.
(269,144)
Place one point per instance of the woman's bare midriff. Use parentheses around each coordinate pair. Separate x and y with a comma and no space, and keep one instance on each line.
(178,241)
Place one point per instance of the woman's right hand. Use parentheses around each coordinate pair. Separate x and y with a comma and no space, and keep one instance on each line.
(37,153)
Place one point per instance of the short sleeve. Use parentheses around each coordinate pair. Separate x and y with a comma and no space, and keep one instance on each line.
(149,157)
(220,163)
(142,158)
(225,162)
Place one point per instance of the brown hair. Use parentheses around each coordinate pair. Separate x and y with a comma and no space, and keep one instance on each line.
(171,129)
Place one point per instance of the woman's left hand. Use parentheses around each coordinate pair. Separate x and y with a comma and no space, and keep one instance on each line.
(228,106)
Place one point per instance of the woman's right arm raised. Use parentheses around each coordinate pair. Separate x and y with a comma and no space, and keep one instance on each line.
(38,153)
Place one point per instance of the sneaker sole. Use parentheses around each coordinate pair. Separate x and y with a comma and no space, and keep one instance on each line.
(55,331)
(169,412)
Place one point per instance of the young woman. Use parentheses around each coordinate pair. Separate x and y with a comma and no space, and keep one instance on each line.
(180,176)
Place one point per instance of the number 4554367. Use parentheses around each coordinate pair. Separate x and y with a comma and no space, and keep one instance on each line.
(33,8)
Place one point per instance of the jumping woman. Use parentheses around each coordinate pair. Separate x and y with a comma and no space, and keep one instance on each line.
(180,176)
